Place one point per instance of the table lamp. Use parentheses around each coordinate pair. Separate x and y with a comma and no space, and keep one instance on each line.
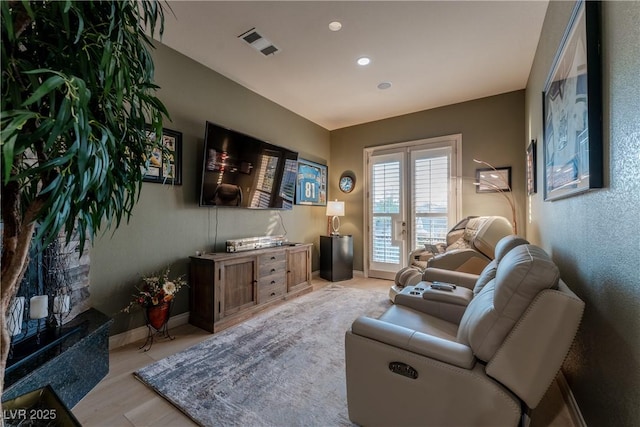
(335,210)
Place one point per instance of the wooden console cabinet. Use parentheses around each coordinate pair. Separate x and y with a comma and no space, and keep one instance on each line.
(225,288)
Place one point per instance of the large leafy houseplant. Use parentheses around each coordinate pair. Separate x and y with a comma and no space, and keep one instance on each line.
(77,91)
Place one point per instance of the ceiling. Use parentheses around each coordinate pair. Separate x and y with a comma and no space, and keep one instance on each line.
(433,53)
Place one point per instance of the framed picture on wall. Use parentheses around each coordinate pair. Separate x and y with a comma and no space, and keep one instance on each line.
(532,179)
(165,163)
(311,183)
(490,180)
(572,108)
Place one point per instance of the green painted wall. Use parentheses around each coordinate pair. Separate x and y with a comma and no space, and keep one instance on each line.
(167,226)
(492,130)
(594,237)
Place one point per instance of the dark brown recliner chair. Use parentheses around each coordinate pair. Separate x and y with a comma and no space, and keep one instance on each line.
(483,369)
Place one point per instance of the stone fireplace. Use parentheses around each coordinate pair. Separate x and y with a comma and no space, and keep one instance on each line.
(57,338)
(54,273)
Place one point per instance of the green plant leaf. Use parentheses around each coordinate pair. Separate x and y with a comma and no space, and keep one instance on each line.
(49,85)
(8,146)
(27,6)
(78,94)
(7,23)
(80,28)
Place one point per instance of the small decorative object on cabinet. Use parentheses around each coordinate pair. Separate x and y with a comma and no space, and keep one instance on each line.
(226,288)
(336,258)
(155,297)
(335,210)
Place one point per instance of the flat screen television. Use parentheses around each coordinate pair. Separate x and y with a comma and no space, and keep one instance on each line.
(239,170)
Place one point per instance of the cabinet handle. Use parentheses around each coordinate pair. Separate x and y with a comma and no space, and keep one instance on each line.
(273,257)
(273,270)
(273,294)
(273,282)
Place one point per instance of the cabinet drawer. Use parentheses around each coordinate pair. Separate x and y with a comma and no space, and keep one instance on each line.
(272,279)
(274,267)
(272,257)
(270,289)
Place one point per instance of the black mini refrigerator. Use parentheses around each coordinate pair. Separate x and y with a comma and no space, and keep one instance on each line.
(336,258)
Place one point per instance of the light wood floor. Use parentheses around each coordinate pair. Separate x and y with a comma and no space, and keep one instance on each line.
(121,400)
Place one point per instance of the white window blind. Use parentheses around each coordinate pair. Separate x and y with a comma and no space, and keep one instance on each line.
(385,194)
(431,172)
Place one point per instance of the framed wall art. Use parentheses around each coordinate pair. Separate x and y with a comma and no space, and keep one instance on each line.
(311,183)
(496,180)
(572,108)
(165,163)
(532,174)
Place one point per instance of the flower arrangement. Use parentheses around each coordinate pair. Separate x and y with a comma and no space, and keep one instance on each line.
(155,290)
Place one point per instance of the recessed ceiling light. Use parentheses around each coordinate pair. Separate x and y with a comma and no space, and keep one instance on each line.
(384,85)
(335,26)
(364,61)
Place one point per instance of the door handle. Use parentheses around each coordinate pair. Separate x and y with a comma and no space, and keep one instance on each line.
(399,230)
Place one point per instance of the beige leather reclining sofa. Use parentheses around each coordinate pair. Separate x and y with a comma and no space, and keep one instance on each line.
(452,356)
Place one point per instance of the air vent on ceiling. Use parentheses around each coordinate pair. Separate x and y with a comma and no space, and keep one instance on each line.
(259,43)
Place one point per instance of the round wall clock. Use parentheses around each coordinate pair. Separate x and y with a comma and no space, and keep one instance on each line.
(347,182)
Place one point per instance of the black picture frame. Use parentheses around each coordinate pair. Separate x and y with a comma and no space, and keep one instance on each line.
(532,168)
(572,108)
(311,183)
(489,180)
(165,166)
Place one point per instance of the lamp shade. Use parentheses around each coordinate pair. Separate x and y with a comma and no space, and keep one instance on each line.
(335,208)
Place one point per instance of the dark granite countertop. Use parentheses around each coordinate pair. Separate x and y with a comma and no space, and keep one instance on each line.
(82,326)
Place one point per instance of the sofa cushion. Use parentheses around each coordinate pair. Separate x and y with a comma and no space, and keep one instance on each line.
(507,243)
(421,322)
(502,248)
(520,276)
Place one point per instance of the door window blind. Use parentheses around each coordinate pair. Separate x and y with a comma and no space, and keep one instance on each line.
(431,174)
(385,189)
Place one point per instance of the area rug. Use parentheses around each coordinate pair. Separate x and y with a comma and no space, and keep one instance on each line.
(284,367)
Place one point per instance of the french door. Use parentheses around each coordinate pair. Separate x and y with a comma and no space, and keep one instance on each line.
(412,199)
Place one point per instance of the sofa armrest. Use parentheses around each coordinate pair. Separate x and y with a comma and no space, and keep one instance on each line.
(446,305)
(459,278)
(459,296)
(416,342)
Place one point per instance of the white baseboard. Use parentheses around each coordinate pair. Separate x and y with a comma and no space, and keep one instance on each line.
(137,334)
(570,401)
